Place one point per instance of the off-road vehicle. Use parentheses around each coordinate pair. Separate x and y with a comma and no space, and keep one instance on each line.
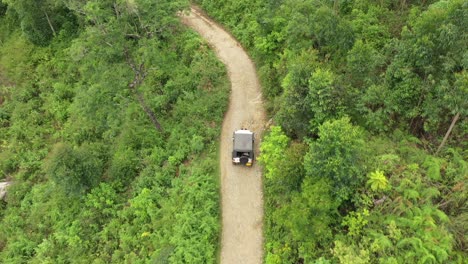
(243,151)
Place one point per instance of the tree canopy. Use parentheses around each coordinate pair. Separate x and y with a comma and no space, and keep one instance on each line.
(366,158)
(109,114)
(110,110)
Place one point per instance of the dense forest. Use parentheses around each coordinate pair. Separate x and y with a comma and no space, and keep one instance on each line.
(110,114)
(362,94)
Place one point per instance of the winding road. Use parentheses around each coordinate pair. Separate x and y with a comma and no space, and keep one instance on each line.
(241,187)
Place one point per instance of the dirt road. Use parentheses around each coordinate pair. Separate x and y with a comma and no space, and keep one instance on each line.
(241,187)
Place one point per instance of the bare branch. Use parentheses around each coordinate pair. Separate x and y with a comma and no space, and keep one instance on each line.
(454,120)
(50,23)
(140,75)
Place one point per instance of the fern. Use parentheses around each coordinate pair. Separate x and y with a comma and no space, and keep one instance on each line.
(411,194)
(414,242)
(384,242)
(430,193)
(377,181)
(428,259)
(441,216)
(441,254)
(405,183)
(432,165)
(390,260)
(388,162)
(458,165)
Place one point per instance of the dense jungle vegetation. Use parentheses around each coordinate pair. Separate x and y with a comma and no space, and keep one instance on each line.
(362,94)
(110,114)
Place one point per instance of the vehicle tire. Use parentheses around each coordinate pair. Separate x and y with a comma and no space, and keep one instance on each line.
(244,160)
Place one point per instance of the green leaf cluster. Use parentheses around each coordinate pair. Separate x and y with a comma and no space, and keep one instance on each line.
(364,91)
(93,180)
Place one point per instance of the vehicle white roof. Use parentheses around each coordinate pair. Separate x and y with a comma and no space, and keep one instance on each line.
(243,131)
(243,140)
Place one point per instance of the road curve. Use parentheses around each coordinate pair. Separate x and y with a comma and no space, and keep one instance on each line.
(241,187)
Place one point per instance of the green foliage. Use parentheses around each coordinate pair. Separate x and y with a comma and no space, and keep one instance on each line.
(272,151)
(311,216)
(303,224)
(395,68)
(69,124)
(378,181)
(337,156)
(195,238)
(75,170)
(432,165)
(411,225)
(347,254)
(286,181)
(124,166)
(42,20)
(3,8)
(356,221)
(362,64)
(94,181)
(295,113)
(102,201)
(324,98)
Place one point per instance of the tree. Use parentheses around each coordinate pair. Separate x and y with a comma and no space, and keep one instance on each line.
(295,111)
(76,170)
(41,20)
(310,217)
(324,97)
(422,80)
(337,155)
(362,63)
(3,8)
(272,151)
(140,74)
